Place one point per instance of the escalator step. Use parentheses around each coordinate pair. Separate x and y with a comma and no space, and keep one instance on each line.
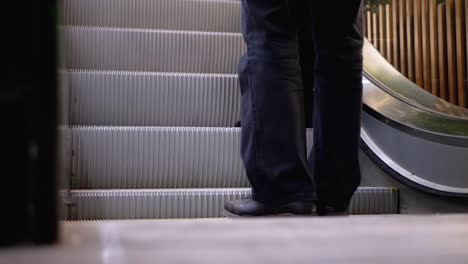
(153,99)
(213,15)
(197,203)
(157,157)
(98,48)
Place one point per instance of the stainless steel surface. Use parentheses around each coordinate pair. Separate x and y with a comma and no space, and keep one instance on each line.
(420,137)
(157,157)
(125,49)
(198,203)
(387,78)
(152,204)
(414,120)
(429,164)
(153,99)
(212,15)
(356,239)
(412,200)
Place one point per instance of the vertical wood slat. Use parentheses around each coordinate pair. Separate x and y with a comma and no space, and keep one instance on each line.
(395,16)
(388,32)
(409,38)
(402,26)
(425,42)
(382,40)
(451,47)
(434,47)
(442,37)
(369,25)
(460,52)
(375,34)
(418,54)
(466,44)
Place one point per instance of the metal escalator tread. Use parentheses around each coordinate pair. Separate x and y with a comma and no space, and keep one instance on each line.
(211,15)
(155,65)
(121,98)
(197,203)
(123,49)
(157,157)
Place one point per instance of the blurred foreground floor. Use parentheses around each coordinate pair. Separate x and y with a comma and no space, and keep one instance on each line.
(354,239)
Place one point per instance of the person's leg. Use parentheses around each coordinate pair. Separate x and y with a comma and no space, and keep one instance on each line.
(338,43)
(273,146)
(306,56)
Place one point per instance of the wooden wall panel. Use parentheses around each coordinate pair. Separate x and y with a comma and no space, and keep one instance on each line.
(395,18)
(388,33)
(369,25)
(451,60)
(410,39)
(375,30)
(460,51)
(382,41)
(434,47)
(441,23)
(425,42)
(466,49)
(402,36)
(418,54)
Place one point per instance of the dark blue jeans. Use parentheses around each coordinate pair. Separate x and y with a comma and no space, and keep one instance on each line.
(295,49)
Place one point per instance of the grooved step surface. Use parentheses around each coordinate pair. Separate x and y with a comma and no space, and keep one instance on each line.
(212,15)
(157,157)
(198,203)
(97,48)
(153,99)
(148,204)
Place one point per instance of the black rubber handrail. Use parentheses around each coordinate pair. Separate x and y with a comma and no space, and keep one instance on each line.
(402,104)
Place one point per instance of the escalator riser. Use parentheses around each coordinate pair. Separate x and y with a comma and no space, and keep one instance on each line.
(153,99)
(151,204)
(213,15)
(94,48)
(157,157)
(197,203)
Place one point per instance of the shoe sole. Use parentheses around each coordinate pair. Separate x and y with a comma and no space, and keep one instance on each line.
(231,215)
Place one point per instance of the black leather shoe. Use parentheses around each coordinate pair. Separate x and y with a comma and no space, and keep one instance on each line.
(250,207)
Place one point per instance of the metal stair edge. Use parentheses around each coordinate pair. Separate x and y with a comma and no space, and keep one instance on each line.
(213,15)
(136,50)
(157,157)
(198,203)
(116,98)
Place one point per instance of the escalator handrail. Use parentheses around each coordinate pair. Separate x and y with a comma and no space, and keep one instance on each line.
(396,101)
(422,114)
(378,70)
